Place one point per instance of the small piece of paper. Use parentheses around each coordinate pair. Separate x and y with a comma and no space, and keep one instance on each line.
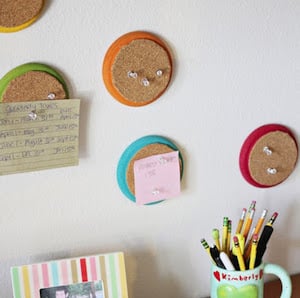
(157,177)
(38,135)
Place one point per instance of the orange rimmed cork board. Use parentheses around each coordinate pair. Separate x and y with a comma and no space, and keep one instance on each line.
(137,68)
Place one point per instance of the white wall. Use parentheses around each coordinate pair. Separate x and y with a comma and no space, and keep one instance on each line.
(237,67)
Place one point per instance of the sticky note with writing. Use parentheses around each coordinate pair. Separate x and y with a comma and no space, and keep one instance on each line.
(38,135)
(157,178)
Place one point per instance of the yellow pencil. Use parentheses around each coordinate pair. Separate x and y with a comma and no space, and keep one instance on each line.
(252,206)
(225,234)
(216,237)
(241,221)
(272,219)
(253,251)
(255,231)
(228,237)
(241,244)
(207,248)
(248,224)
(239,253)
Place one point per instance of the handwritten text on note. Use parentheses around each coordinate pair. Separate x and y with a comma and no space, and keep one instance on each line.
(38,135)
(156,178)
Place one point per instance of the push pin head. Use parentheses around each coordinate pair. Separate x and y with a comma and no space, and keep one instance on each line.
(132,74)
(271,171)
(162,160)
(32,115)
(155,192)
(51,96)
(159,72)
(267,150)
(145,82)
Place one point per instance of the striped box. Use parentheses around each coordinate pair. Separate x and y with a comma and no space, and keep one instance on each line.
(27,280)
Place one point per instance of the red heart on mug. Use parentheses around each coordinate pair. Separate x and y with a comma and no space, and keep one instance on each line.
(217,275)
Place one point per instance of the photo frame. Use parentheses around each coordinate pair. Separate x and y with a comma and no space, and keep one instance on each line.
(30,281)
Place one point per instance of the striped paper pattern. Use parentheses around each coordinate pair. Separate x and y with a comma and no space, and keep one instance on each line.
(110,268)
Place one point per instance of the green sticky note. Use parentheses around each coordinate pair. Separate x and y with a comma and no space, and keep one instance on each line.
(38,135)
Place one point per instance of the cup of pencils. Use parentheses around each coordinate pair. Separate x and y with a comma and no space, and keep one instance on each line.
(238,269)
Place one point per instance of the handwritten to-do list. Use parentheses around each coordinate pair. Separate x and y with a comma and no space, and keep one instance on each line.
(38,135)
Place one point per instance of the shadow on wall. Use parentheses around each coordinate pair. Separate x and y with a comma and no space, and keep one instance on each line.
(145,280)
(286,237)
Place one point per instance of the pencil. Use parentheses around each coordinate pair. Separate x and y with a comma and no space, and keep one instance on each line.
(207,248)
(252,206)
(255,231)
(241,221)
(225,234)
(248,224)
(253,251)
(239,253)
(272,219)
(216,237)
(228,237)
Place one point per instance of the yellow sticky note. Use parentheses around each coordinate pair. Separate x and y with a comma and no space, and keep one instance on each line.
(38,135)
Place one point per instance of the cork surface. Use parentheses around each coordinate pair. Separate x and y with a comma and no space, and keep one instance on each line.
(146,151)
(14,13)
(33,85)
(283,158)
(144,57)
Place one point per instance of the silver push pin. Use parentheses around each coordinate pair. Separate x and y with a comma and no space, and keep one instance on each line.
(162,160)
(159,72)
(145,82)
(155,192)
(132,74)
(267,150)
(32,115)
(271,171)
(51,96)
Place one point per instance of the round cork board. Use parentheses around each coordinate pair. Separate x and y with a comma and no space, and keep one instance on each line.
(30,82)
(16,15)
(137,68)
(268,156)
(141,148)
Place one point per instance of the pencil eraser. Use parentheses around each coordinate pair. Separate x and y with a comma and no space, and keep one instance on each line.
(137,68)
(16,15)
(268,155)
(32,81)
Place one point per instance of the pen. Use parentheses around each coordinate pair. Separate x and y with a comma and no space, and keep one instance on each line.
(264,238)
(215,254)
(225,234)
(207,248)
(239,253)
(253,251)
(241,221)
(226,261)
(216,237)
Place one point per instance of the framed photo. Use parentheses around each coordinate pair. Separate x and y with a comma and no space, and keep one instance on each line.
(92,289)
(98,276)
